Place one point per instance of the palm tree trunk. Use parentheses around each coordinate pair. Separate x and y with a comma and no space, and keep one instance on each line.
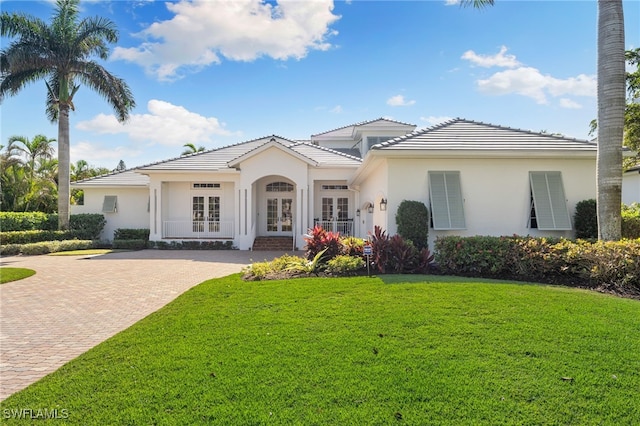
(611,105)
(64,192)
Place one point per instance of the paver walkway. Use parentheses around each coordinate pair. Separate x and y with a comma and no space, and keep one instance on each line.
(73,303)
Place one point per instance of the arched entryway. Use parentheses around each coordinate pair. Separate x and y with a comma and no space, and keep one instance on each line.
(277,207)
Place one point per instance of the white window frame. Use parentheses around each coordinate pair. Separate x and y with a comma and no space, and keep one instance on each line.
(549,201)
(445,200)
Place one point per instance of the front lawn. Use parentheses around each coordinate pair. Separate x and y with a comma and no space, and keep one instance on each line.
(8,274)
(350,351)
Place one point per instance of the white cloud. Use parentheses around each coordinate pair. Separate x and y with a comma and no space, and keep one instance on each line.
(530,82)
(433,120)
(108,156)
(336,109)
(451,2)
(201,32)
(399,100)
(500,59)
(166,124)
(570,104)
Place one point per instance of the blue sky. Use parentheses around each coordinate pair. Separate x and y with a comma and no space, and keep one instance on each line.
(215,73)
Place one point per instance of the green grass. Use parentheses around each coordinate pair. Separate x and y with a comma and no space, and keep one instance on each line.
(85,252)
(14,274)
(352,351)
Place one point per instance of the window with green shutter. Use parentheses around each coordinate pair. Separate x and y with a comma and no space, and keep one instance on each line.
(445,197)
(549,202)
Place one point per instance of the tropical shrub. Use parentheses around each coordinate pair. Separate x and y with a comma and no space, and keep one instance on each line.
(601,264)
(585,219)
(380,247)
(412,219)
(344,264)
(87,226)
(631,221)
(352,246)
(319,239)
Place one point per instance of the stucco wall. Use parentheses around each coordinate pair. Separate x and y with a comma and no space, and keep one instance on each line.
(496,192)
(631,187)
(132,208)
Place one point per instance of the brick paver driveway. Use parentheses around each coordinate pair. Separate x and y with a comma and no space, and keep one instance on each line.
(73,303)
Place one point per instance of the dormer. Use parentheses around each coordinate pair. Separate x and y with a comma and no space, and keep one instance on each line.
(357,138)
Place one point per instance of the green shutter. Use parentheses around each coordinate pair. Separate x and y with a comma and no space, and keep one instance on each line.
(549,201)
(445,196)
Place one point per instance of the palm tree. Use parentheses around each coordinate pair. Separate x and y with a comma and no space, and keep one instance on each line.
(611,107)
(80,170)
(191,149)
(33,149)
(60,53)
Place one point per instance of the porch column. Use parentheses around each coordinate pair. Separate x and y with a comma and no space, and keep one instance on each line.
(155,210)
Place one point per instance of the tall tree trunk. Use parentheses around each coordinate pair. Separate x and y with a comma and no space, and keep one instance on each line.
(611,105)
(64,192)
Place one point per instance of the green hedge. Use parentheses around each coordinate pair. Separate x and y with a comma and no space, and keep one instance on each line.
(26,237)
(130,244)
(87,226)
(556,261)
(192,245)
(45,247)
(28,221)
(131,234)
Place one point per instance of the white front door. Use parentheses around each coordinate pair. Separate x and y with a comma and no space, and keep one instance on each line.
(279,215)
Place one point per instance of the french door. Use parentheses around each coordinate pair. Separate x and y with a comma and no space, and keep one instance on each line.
(279,215)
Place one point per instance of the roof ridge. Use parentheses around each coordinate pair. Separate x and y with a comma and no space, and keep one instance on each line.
(449,122)
(324,148)
(111,173)
(362,123)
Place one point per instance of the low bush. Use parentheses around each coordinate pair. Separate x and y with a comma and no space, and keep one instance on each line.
(87,226)
(344,264)
(607,265)
(46,247)
(33,236)
(631,221)
(585,219)
(129,244)
(131,234)
(191,245)
(10,249)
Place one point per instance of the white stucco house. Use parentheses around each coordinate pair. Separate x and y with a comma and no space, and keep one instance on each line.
(631,185)
(475,178)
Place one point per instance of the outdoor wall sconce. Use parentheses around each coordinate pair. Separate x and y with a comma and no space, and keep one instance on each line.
(358,212)
(383,205)
(370,208)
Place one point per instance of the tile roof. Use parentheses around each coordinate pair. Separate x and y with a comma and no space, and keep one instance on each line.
(460,134)
(123,178)
(219,158)
(347,131)
(326,156)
